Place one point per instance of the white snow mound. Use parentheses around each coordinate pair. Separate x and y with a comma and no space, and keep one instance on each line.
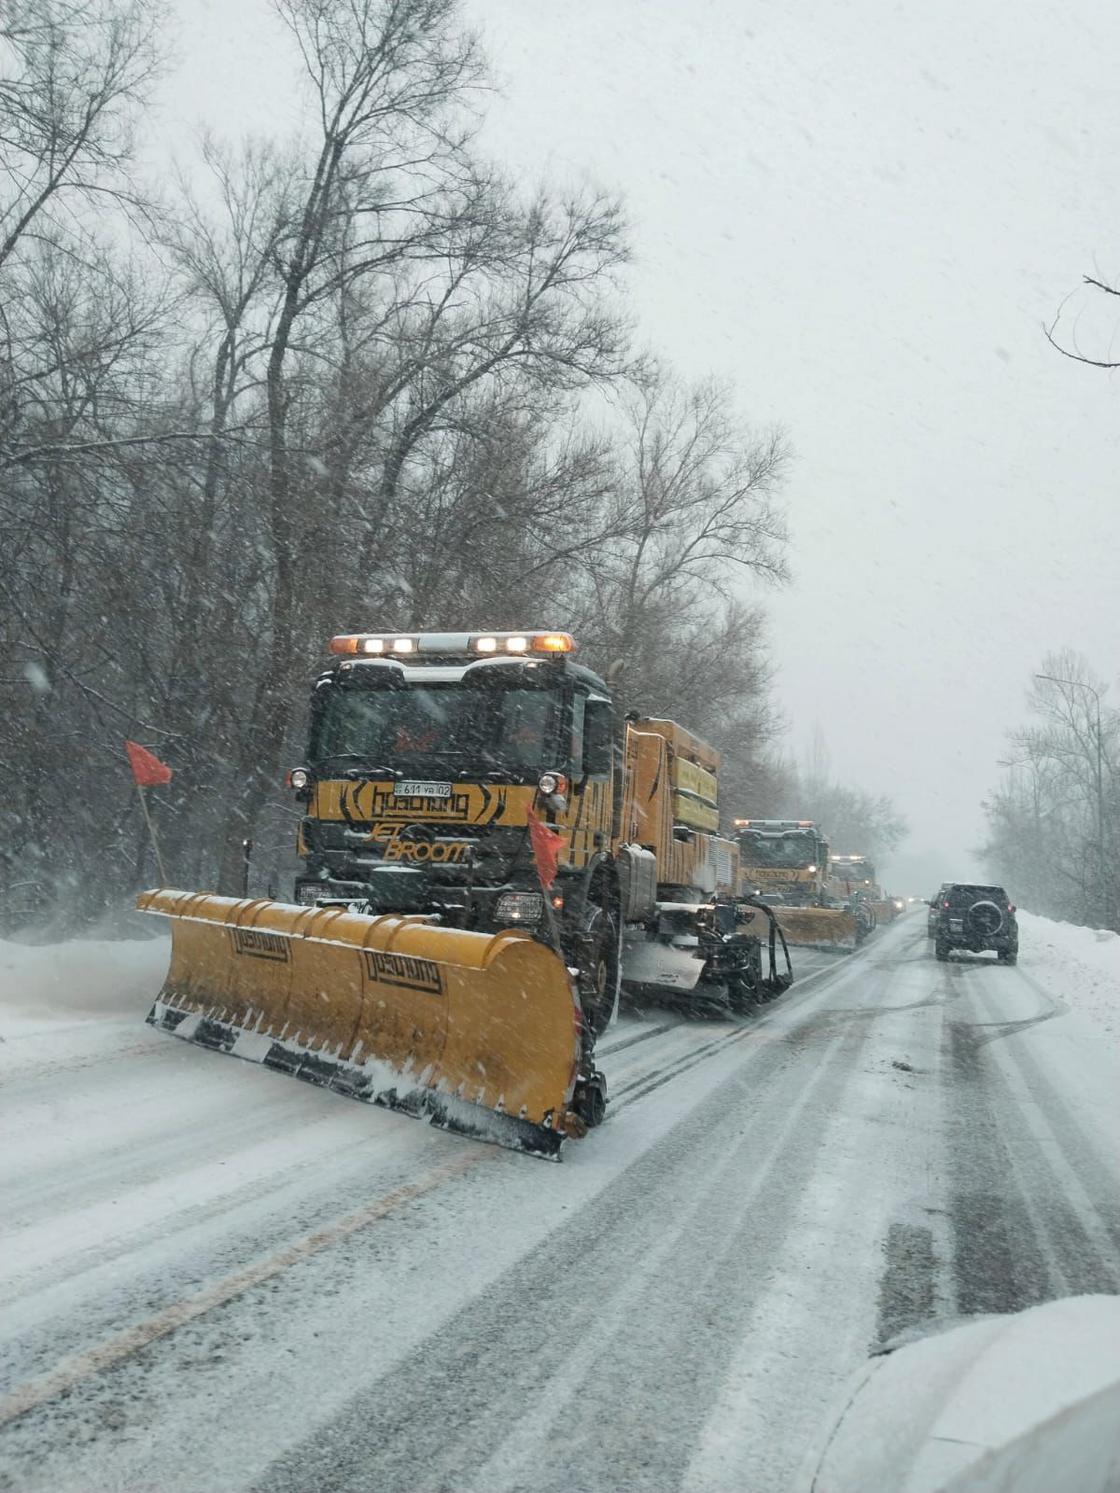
(81,979)
(1080,964)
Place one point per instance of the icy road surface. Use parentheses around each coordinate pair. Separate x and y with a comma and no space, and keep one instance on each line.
(215,1278)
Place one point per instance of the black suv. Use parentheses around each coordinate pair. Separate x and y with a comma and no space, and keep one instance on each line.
(935,910)
(975,918)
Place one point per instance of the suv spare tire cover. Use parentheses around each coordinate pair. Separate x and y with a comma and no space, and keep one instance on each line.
(986,918)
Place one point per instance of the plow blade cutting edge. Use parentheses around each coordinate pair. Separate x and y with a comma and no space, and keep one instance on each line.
(479,1033)
(817,927)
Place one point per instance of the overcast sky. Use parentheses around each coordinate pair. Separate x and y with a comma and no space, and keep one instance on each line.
(861,212)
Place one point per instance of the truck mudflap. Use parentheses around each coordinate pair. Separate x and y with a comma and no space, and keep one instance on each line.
(818,927)
(478,1033)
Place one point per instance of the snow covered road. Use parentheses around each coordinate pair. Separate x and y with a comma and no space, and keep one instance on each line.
(214,1278)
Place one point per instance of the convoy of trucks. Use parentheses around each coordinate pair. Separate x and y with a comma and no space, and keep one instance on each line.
(489,853)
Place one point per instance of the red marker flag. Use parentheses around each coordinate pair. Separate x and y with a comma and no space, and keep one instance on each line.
(547,845)
(147,769)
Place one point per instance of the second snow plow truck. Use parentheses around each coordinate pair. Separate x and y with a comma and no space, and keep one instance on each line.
(487,854)
(854,880)
(788,861)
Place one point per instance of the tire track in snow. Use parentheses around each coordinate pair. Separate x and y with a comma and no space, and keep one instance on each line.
(274,1098)
(1019,1238)
(107,1355)
(548,1381)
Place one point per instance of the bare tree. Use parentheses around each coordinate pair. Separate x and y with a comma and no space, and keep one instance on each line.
(698,515)
(75,71)
(360,383)
(858,823)
(1051,818)
(1051,331)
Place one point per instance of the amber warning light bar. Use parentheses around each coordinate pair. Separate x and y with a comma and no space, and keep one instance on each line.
(444,643)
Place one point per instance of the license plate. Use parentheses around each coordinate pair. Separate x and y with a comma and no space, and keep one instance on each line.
(407,789)
(955,924)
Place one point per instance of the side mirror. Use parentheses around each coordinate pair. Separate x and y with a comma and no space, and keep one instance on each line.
(598,730)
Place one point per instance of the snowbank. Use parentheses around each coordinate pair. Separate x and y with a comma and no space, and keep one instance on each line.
(78,980)
(1082,964)
(1029,1402)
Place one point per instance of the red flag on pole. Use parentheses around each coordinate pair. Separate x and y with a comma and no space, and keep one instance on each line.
(547,845)
(147,769)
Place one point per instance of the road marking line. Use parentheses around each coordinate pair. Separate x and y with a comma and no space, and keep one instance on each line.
(73,1370)
(78,1367)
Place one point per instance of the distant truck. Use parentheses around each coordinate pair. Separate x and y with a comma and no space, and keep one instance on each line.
(787,861)
(854,882)
(785,856)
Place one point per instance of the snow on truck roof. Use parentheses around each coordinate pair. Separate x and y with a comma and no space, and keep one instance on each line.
(775,826)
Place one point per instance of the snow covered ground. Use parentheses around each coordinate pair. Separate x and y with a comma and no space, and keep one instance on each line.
(215,1278)
(1082,963)
(44,985)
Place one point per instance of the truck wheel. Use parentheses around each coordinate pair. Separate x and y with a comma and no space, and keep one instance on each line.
(742,994)
(590,1100)
(601,970)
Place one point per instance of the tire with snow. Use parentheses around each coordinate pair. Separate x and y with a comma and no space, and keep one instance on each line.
(985,919)
(601,973)
(590,1100)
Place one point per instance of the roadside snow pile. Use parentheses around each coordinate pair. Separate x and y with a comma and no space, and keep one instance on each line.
(1080,964)
(80,979)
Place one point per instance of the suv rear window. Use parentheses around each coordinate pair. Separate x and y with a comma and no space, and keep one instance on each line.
(966,895)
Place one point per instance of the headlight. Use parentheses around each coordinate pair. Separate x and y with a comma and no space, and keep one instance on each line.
(299,778)
(519,907)
(552,782)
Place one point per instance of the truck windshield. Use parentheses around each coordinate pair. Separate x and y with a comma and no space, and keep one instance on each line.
(435,729)
(853,871)
(795,851)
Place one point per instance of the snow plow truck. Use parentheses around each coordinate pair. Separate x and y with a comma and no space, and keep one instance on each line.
(854,881)
(787,860)
(488,853)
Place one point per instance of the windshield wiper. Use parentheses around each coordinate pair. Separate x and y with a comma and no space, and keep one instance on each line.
(366,770)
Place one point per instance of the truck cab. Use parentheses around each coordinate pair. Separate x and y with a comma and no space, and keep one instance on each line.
(428,755)
(787,859)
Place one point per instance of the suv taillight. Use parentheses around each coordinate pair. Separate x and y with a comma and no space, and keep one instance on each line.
(945,905)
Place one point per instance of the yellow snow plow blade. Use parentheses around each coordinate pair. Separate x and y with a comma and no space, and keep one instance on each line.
(817,927)
(478,1032)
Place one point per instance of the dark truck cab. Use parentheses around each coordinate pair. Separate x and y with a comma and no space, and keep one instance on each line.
(975,917)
